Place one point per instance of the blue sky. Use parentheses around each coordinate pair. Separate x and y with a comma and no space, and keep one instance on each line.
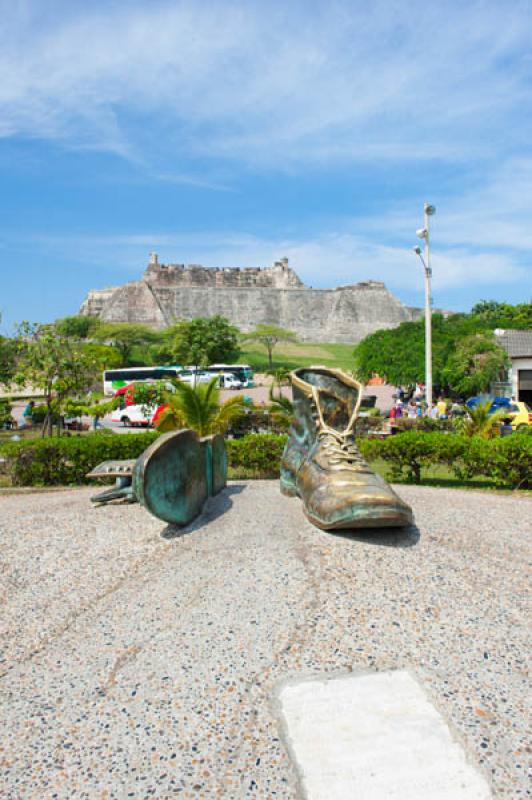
(235,133)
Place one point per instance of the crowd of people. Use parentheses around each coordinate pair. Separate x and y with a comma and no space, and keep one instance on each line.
(411,404)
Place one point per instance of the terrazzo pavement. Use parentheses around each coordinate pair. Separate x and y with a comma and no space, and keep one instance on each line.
(140,661)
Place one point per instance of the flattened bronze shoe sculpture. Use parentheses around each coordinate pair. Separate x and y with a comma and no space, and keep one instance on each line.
(321,463)
(176,474)
(172,478)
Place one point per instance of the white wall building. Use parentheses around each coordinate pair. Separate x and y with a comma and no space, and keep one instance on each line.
(518,345)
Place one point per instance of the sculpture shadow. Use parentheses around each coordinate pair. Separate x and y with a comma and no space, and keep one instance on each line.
(382,537)
(213,508)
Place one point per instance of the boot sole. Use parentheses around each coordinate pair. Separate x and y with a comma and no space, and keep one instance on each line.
(398,520)
(169,478)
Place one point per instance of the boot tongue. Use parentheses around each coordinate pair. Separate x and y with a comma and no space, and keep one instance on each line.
(334,410)
(337,400)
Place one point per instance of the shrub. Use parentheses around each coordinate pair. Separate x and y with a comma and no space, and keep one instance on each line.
(505,460)
(258,419)
(365,425)
(426,424)
(407,454)
(5,413)
(57,461)
(39,413)
(257,455)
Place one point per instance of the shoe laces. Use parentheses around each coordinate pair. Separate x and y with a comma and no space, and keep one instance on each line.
(341,447)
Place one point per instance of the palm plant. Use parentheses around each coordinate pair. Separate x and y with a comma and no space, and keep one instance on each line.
(199,408)
(281,377)
(281,407)
(479,422)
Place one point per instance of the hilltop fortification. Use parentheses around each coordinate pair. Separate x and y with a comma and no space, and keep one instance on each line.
(274,295)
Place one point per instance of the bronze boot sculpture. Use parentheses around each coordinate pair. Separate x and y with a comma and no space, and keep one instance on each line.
(321,463)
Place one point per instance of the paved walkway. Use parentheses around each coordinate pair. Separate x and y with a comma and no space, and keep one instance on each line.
(140,662)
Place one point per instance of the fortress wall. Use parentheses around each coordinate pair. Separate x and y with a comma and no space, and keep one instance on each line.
(342,315)
(247,297)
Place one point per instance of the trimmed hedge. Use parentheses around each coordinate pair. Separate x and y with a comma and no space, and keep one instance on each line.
(506,460)
(256,455)
(425,424)
(59,461)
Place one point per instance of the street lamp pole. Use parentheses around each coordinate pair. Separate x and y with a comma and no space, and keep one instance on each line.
(424,233)
(428,312)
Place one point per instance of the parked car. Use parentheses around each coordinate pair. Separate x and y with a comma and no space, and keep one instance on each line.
(519,416)
(497,403)
(230,381)
(134,416)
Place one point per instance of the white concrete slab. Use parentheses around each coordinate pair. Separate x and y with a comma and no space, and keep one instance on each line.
(374,737)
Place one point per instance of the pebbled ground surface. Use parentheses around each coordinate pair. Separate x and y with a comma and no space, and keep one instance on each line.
(142,662)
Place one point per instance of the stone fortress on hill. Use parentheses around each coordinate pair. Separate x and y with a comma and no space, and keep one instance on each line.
(272,295)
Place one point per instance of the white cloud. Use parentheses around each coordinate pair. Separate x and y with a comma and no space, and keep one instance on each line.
(327,260)
(269,83)
(491,215)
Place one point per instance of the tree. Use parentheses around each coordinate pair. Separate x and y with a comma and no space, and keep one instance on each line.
(269,336)
(54,364)
(7,359)
(124,336)
(398,354)
(77,327)
(503,315)
(199,408)
(476,362)
(204,340)
(281,407)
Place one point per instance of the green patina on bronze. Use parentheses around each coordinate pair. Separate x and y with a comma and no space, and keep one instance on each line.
(321,463)
(122,471)
(174,477)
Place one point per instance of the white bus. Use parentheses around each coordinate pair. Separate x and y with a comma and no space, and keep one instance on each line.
(114,379)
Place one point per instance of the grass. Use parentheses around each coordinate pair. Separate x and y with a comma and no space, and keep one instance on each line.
(442,477)
(23,433)
(291,355)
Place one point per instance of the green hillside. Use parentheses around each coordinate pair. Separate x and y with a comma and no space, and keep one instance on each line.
(298,354)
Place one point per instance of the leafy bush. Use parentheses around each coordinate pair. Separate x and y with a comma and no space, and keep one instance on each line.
(505,460)
(406,454)
(426,424)
(5,413)
(66,460)
(38,415)
(57,461)
(257,455)
(365,425)
(256,419)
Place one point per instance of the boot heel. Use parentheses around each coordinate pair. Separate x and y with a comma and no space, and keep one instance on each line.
(288,484)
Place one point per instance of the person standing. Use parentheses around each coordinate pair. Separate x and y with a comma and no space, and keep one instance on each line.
(27,415)
(442,408)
